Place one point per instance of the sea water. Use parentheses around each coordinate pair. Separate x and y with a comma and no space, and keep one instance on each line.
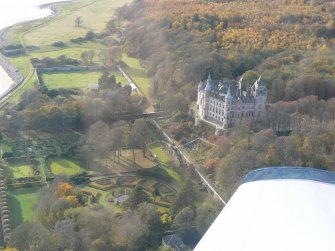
(16,11)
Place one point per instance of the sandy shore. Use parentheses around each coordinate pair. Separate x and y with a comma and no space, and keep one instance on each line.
(7,71)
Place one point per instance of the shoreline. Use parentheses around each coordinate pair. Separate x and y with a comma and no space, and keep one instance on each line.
(10,77)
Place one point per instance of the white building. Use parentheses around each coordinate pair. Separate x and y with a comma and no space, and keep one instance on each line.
(277,209)
(225,103)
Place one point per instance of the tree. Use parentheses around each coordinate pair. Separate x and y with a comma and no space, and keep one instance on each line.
(210,164)
(114,54)
(175,103)
(205,215)
(137,197)
(117,138)
(87,56)
(184,219)
(133,140)
(187,195)
(184,223)
(31,237)
(112,26)
(78,21)
(140,134)
(107,81)
(98,138)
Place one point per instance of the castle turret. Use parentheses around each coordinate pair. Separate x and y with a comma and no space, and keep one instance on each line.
(260,94)
(241,86)
(227,108)
(209,84)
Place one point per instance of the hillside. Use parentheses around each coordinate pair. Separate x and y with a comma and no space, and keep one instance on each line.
(182,41)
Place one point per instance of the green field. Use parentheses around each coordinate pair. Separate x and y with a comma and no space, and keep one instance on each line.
(19,171)
(21,202)
(60,165)
(75,79)
(137,73)
(63,28)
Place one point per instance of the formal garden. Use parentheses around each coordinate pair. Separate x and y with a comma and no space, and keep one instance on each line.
(30,163)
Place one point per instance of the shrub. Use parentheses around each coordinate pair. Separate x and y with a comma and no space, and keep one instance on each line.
(79,178)
(77,40)
(8,154)
(58,44)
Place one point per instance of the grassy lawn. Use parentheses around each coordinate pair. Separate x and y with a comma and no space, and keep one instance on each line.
(75,79)
(59,165)
(62,28)
(21,202)
(22,63)
(137,73)
(164,158)
(19,171)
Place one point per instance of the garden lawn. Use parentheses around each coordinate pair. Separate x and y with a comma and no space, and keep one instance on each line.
(19,171)
(137,73)
(76,79)
(164,159)
(60,165)
(21,202)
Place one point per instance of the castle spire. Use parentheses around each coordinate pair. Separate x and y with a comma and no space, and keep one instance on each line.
(209,83)
(228,95)
(209,77)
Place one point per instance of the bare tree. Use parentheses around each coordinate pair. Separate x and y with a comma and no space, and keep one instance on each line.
(117,137)
(140,134)
(78,21)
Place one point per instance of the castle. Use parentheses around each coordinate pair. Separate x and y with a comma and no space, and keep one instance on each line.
(225,103)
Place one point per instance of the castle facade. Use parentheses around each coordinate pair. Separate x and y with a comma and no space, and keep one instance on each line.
(225,103)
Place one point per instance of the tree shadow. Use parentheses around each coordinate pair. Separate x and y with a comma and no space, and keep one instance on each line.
(15,211)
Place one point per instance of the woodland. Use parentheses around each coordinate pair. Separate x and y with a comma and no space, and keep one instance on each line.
(289,43)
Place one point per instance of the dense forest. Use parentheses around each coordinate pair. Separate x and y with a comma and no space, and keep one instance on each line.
(290,43)
(285,41)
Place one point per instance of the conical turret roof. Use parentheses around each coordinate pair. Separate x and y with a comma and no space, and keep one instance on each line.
(228,95)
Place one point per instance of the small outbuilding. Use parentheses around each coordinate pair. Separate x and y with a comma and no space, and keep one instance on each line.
(93,87)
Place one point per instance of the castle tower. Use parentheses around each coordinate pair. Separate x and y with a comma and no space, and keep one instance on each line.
(241,86)
(228,108)
(260,94)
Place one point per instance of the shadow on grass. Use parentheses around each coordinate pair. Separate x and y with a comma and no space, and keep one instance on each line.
(21,203)
(15,210)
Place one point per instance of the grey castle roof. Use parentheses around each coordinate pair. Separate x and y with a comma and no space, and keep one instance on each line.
(209,84)
(226,89)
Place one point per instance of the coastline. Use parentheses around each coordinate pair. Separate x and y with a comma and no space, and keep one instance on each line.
(10,77)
